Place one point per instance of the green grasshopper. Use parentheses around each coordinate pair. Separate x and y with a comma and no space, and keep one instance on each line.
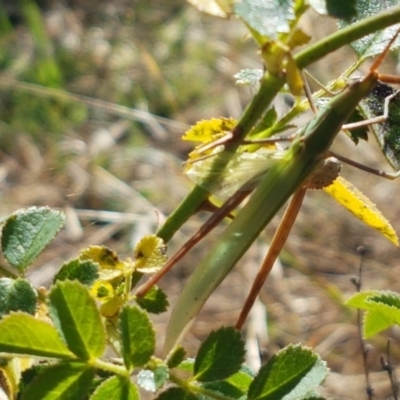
(280,182)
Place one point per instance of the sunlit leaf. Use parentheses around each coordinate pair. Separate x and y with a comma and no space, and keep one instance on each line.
(105,257)
(77,318)
(293,77)
(218,8)
(23,334)
(116,388)
(382,310)
(207,131)
(149,254)
(138,336)
(357,203)
(67,380)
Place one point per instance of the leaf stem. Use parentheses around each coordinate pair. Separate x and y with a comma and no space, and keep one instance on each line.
(106,366)
(197,389)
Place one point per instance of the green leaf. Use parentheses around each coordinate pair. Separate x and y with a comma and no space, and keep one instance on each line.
(219,356)
(343,9)
(84,271)
(176,394)
(116,388)
(138,337)
(293,373)
(375,43)
(383,310)
(23,334)
(388,133)
(155,301)
(75,314)
(153,380)
(66,381)
(176,357)
(27,232)
(242,379)
(280,14)
(359,300)
(17,295)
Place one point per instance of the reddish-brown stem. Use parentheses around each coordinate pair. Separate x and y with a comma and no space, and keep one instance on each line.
(276,245)
(209,225)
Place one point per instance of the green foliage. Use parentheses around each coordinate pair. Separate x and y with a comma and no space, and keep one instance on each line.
(382,310)
(91,309)
(27,232)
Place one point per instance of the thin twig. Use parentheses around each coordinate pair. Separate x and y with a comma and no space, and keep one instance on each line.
(387,366)
(364,349)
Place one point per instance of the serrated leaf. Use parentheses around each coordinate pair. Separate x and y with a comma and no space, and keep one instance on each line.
(241,379)
(343,9)
(375,43)
(155,301)
(149,254)
(383,312)
(84,271)
(359,299)
(67,381)
(102,255)
(138,337)
(176,394)
(387,134)
(218,8)
(375,322)
(280,15)
(290,374)
(357,203)
(23,334)
(27,232)
(116,388)
(77,318)
(17,295)
(219,356)
(224,388)
(175,357)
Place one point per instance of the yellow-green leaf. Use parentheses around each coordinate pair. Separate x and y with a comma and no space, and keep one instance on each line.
(356,202)
(218,8)
(150,254)
(293,77)
(105,257)
(207,131)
